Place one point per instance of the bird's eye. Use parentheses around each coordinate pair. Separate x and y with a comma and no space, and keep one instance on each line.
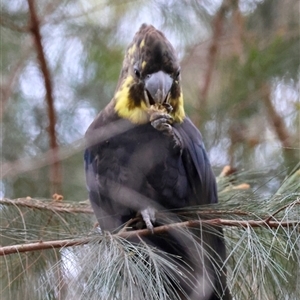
(137,73)
(177,74)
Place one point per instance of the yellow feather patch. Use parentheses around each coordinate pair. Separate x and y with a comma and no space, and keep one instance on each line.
(137,115)
(140,114)
(144,64)
(131,50)
(142,44)
(178,114)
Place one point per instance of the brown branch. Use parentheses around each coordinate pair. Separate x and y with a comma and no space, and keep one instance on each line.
(7,250)
(52,206)
(55,168)
(213,50)
(275,119)
(42,246)
(238,30)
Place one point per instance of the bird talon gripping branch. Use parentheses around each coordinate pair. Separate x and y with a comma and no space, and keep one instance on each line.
(148,216)
(139,165)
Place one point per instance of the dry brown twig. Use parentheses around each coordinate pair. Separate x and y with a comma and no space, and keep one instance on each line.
(54,206)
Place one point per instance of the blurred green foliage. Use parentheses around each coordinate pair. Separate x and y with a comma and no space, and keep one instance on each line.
(84,43)
(262,263)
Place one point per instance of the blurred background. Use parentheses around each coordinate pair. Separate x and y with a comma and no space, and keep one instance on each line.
(60,62)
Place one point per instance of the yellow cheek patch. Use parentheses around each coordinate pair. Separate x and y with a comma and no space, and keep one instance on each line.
(139,114)
(178,113)
(143,64)
(123,107)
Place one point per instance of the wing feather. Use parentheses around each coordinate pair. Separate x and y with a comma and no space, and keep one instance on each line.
(198,168)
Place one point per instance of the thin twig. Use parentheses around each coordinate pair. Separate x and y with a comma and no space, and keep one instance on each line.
(42,246)
(7,250)
(55,168)
(52,206)
(268,219)
(128,223)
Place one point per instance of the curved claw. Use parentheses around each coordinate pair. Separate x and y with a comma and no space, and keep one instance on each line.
(160,115)
(162,125)
(162,121)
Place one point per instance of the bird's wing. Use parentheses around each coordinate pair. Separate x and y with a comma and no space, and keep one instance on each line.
(204,191)
(197,165)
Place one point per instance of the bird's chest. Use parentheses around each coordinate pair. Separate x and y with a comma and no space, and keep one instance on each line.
(145,160)
(139,150)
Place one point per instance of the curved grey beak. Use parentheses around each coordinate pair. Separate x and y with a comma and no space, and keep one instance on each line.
(158,86)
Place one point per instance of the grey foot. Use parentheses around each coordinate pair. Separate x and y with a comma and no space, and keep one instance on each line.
(148,216)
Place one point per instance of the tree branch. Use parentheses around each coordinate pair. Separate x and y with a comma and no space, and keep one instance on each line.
(55,168)
(277,122)
(42,246)
(7,250)
(52,206)
(213,50)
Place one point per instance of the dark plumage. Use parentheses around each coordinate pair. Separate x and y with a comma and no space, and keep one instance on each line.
(145,156)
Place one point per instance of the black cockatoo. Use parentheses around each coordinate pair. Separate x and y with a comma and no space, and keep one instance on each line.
(144,157)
